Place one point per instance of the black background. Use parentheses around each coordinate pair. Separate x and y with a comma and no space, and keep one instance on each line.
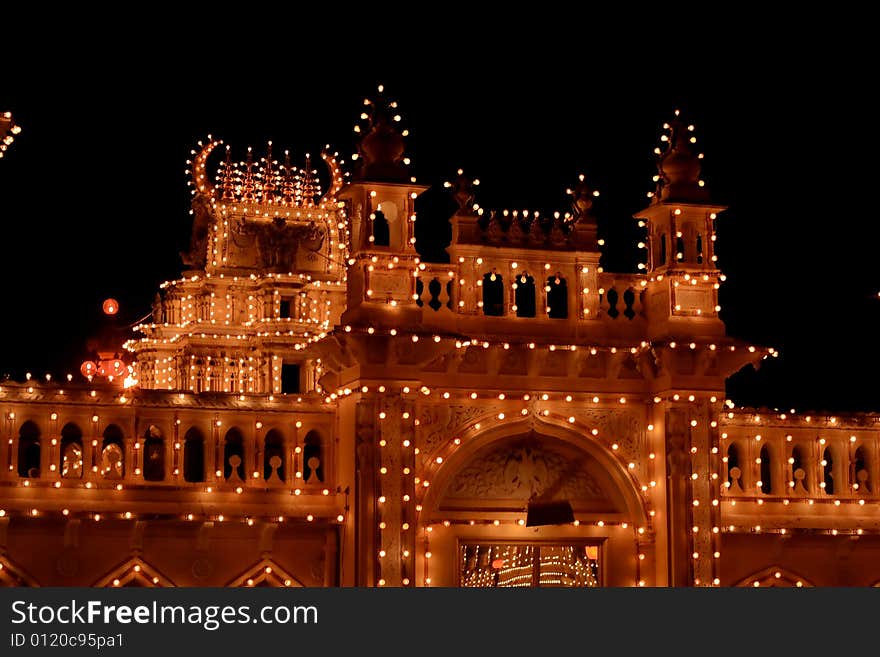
(93,200)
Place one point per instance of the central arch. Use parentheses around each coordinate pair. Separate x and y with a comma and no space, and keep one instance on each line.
(480,525)
(610,472)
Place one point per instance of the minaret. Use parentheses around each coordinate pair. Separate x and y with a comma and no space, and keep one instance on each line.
(683,279)
(380,202)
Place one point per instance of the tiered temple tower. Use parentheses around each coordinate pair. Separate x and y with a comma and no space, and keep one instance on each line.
(266,275)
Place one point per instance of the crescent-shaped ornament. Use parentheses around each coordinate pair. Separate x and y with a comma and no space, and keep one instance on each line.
(335,175)
(201,179)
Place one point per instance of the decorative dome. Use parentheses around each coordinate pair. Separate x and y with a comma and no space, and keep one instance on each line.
(380,151)
(678,167)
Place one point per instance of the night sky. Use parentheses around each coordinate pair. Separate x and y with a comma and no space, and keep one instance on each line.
(93,199)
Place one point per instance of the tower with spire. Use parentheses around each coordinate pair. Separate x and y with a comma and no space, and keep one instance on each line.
(380,204)
(265,274)
(682,275)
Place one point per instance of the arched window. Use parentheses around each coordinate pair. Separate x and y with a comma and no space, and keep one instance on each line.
(193,455)
(154,455)
(233,455)
(734,471)
(29,450)
(71,452)
(113,453)
(663,249)
(679,248)
(557,297)
(862,474)
(273,455)
(798,468)
(766,471)
(828,471)
(313,459)
(493,294)
(524,295)
(381,229)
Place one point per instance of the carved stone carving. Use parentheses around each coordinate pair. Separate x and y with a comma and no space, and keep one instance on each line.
(473,361)
(527,469)
(440,423)
(514,362)
(437,424)
(366,419)
(555,363)
(621,427)
(203,219)
(278,241)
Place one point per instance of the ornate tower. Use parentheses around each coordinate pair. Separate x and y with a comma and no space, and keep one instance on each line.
(380,201)
(691,356)
(265,277)
(682,277)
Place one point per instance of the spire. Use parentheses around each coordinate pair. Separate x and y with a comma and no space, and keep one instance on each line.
(288,184)
(227,179)
(380,151)
(678,168)
(248,187)
(582,200)
(463,191)
(268,176)
(308,188)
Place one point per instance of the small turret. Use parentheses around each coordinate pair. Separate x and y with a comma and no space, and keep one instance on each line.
(681,238)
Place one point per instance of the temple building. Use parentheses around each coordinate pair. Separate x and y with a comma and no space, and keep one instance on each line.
(313,404)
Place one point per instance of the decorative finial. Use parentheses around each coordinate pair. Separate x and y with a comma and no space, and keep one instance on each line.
(268,176)
(582,199)
(248,187)
(380,151)
(463,191)
(227,178)
(678,167)
(308,188)
(288,184)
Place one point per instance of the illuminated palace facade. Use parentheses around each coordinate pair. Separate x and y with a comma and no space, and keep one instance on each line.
(313,405)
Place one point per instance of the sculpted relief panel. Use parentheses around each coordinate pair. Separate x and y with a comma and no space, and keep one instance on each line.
(524,470)
(439,424)
(622,427)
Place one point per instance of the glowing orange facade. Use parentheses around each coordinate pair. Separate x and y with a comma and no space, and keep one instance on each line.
(314,405)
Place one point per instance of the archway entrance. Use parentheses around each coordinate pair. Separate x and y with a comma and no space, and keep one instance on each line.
(475,520)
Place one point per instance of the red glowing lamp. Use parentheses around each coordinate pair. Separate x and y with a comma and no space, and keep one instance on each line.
(110,306)
(88,368)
